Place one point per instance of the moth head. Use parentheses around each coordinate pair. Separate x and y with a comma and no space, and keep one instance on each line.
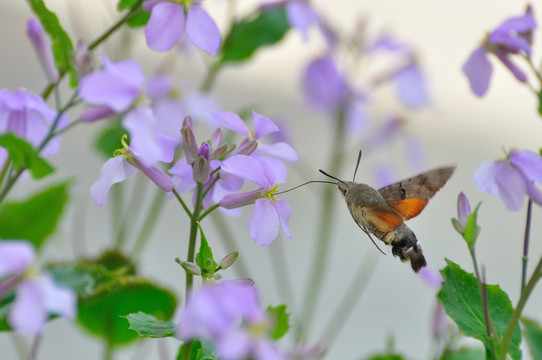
(343,188)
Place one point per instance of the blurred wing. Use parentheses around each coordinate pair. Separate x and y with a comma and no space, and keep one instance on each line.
(409,197)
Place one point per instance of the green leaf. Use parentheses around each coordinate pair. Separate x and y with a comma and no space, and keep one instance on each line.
(109,139)
(460,297)
(104,313)
(60,41)
(148,326)
(35,218)
(386,357)
(139,17)
(248,35)
(464,354)
(199,350)
(24,155)
(470,234)
(533,333)
(282,321)
(204,258)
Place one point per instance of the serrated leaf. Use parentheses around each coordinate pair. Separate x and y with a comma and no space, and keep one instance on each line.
(282,321)
(61,43)
(204,258)
(464,354)
(109,139)
(35,218)
(104,313)
(254,32)
(460,297)
(24,155)
(533,334)
(147,325)
(470,234)
(199,350)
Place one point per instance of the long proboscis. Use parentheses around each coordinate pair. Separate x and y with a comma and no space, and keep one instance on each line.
(308,182)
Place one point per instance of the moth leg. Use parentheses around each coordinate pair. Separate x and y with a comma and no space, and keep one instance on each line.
(370,237)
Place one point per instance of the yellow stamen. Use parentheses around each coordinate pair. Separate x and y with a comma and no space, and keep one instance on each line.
(270,194)
(124,150)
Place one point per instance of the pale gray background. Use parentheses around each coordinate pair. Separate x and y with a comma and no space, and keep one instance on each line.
(460,129)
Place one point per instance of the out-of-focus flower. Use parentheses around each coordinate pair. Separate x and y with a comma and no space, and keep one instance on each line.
(81,58)
(513,36)
(411,87)
(439,321)
(120,167)
(36,294)
(323,84)
(463,212)
(512,178)
(230,315)
(170,20)
(301,16)
(269,212)
(43,48)
(27,116)
(262,126)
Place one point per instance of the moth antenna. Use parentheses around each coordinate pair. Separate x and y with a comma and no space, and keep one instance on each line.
(357,164)
(308,182)
(333,177)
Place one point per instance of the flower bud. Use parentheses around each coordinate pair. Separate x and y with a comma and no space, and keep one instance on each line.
(222,151)
(81,58)
(202,165)
(228,260)
(189,143)
(43,49)
(247,147)
(190,267)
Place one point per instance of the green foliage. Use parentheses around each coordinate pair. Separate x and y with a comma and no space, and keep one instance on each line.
(204,258)
(24,155)
(109,139)
(139,16)
(470,234)
(148,326)
(199,350)
(464,354)
(104,313)
(35,218)
(461,299)
(282,321)
(533,334)
(251,33)
(389,356)
(60,41)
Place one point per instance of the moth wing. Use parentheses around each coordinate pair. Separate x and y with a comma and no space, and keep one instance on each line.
(384,219)
(409,197)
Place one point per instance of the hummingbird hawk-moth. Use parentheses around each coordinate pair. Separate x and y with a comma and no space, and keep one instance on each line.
(382,212)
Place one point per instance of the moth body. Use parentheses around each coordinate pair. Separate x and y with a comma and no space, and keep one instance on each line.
(361,200)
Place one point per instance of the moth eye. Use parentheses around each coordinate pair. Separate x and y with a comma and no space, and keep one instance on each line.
(344,191)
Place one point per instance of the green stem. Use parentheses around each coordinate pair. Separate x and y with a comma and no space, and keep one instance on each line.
(180,199)
(211,77)
(150,222)
(490,329)
(194,221)
(327,209)
(5,169)
(35,345)
(507,338)
(525,258)
(208,211)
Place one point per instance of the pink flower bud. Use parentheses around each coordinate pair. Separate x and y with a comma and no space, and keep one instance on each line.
(43,49)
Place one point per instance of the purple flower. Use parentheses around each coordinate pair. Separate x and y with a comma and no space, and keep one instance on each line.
(514,36)
(262,127)
(323,84)
(301,16)
(115,87)
(170,20)
(512,178)
(463,213)
(411,88)
(27,116)
(120,167)
(440,320)
(36,295)
(230,315)
(42,48)
(269,212)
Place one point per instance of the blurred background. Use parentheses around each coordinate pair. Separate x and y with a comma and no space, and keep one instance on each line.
(458,128)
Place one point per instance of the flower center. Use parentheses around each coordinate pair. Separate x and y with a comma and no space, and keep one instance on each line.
(270,194)
(123,151)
